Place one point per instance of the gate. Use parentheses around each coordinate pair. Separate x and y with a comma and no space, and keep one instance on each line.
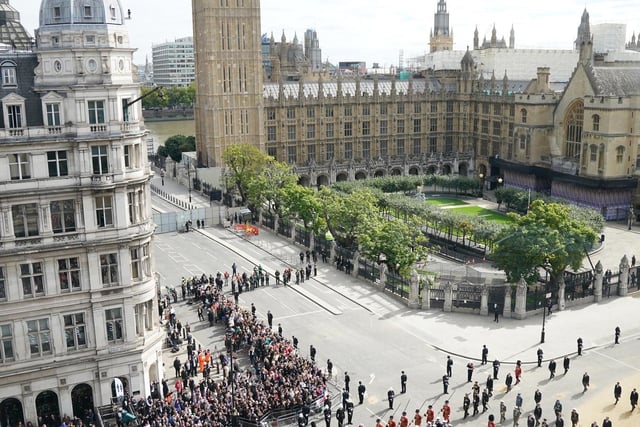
(303,237)
(322,246)
(397,285)
(496,298)
(284,228)
(268,221)
(369,270)
(578,285)
(437,298)
(467,296)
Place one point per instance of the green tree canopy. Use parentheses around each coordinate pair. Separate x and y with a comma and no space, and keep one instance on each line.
(546,233)
(243,163)
(270,186)
(175,145)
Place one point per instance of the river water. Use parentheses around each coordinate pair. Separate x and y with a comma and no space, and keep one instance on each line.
(160,131)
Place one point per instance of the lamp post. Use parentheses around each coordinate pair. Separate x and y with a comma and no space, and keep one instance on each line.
(547,295)
(500,181)
(481,176)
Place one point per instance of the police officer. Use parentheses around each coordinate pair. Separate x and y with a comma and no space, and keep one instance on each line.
(361,390)
(485,354)
(496,368)
(390,396)
(349,411)
(340,416)
(579,346)
(540,355)
(403,382)
(445,384)
(327,415)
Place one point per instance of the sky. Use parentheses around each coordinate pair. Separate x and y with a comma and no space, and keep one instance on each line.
(373,31)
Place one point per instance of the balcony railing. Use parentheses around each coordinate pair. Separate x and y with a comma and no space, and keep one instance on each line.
(101,128)
(100,180)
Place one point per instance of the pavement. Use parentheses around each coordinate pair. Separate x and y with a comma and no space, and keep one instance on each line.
(460,335)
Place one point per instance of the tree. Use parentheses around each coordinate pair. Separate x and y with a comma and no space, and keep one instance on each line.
(269,188)
(401,242)
(305,203)
(175,145)
(243,163)
(344,213)
(546,233)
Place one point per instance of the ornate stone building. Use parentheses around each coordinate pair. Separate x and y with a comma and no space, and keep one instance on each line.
(78,310)
(575,137)
(441,37)
(229,77)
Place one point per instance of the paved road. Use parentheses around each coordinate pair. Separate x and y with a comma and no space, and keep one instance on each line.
(373,336)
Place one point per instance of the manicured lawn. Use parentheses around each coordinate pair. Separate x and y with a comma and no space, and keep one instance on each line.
(483,213)
(444,201)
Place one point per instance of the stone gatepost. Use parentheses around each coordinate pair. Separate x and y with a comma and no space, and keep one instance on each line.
(506,311)
(312,241)
(597,283)
(426,297)
(521,300)
(292,232)
(414,290)
(276,220)
(332,251)
(448,297)
(623,287)
(356,263)
(383,276)
(561,294)
(484,300)
(259,217)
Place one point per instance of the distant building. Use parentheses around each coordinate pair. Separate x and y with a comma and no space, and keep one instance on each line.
(354,67)
(441,37)
(312,51)
(174,63)
(12,33)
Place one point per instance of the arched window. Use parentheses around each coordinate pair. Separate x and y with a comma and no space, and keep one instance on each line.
(593,152)
(596,122)
(523,114)
(574,121)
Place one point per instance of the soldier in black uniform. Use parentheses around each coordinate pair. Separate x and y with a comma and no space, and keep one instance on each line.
(340,416)
(445,384)
(579,346)
(327,415)
(540,355)
(485,354)
(347,380)
(390,396)
(361,390)
(496,368)
(403,382)
(349,411)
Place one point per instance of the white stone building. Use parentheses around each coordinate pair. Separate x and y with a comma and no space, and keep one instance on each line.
(78,304)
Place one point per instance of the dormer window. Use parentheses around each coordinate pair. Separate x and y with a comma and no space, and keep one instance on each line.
(55,41)
(112,10)
(56,12)
(9,75)
(90,39)
(87,12)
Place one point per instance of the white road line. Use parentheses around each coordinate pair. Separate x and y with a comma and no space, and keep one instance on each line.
(635,368)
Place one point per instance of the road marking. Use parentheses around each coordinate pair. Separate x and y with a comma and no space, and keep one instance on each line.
(372,377)
(616,360)
(301,314)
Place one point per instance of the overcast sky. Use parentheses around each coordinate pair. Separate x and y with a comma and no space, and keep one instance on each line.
(372,31)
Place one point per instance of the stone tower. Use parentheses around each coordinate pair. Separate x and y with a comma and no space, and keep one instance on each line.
(441,35)
(229,90)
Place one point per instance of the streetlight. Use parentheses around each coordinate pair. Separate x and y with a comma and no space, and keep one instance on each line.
(481,176)
(500,181)
(547,295)
(189,176)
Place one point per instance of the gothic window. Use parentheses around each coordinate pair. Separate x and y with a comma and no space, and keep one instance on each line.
(596,122)
(523,114)
(619,154)
(574,122)
(593,153)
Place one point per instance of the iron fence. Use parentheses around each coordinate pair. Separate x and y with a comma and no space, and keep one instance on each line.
(284,227)
(436,298)
(397,285)
(303,237)
(369,270)
(467,297)
(268,221)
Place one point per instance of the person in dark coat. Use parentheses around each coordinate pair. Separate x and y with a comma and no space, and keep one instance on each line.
(361,390)
(617,391)
(552,368)
(403,382)
(445,384)
(390,396)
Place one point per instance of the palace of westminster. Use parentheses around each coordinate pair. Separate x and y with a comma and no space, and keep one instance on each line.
(562,122)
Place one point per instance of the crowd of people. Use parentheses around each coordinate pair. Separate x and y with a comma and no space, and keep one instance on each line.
(277,377)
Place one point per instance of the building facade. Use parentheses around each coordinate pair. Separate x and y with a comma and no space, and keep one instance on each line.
(173,63)
(229,77)
(575,137)
(78,309)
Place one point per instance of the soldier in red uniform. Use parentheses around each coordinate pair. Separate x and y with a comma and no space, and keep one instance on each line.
(417,418)
(404,420)
(430,415)
(446,411)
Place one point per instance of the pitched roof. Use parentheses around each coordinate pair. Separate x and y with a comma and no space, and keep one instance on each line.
(616,81)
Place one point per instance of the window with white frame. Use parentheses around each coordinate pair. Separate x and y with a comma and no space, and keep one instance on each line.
(75,332)
(14,116)
(3,290)
(39,337)
(19,166)
(58,163)
(109,269)
(69,274)
(146,260)
(9,74)
(127,156)
(100,159)
(32,279)
(53,114)
(114,324)
(25,220)
(96,112)
(6,343)
(104,211)
(134,200)
(87,12)
(135,264)
(125,109)
(63,216)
